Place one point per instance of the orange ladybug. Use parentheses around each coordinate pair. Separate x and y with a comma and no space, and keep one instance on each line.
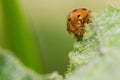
(76,21)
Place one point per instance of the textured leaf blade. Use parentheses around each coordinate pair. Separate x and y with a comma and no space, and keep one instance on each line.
(105,62)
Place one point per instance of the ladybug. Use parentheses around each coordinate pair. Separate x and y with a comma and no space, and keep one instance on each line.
(76,21)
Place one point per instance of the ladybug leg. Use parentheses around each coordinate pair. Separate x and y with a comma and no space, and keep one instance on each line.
(79,33)
(87,20)
(80,38)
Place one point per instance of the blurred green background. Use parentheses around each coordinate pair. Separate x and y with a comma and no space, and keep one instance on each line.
(35,30)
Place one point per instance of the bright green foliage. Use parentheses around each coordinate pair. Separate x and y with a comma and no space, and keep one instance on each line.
(18,36)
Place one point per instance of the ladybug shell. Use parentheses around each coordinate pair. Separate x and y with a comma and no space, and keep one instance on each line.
(76,22)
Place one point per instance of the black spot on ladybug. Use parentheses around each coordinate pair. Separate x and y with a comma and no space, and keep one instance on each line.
(78,16)
(74,10)
(69,19)
(84,9)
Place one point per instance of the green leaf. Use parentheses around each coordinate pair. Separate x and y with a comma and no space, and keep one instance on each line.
(18,36)
(12,69)
(97,56)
